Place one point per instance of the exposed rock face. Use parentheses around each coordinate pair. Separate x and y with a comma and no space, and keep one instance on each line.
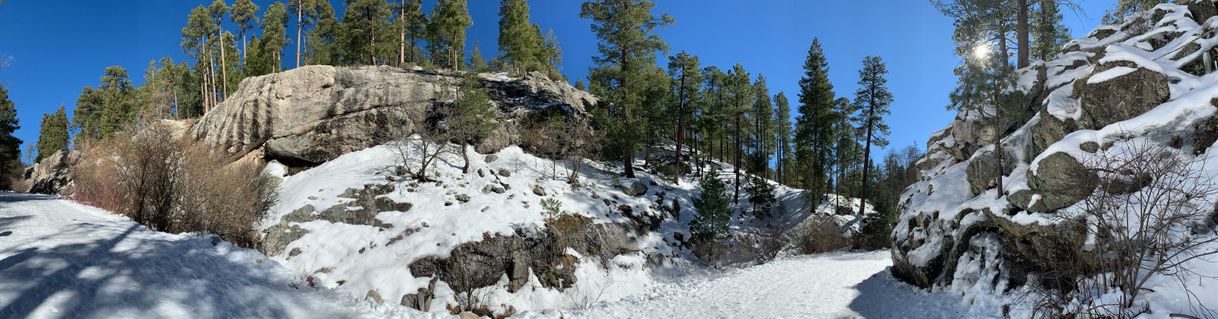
(481,264)
(314,113)
(1121,85)
(52,175)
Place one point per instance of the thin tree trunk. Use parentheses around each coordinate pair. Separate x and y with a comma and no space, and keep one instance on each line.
(465,158)
(223,68)
(402,33)
(676,179)
(372,47)
(243,45)
(299,28)
(867,155)
(1021,34)
(998,150)
(736,168)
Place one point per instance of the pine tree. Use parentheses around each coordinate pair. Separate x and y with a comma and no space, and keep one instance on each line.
(874,97)
(196,41)
(245,16)
(813,127)
(686,78)
(321,45)
(274,37)
(412,25)
(740,96)
(985,22)
(761,197)
(782,130)
(53,135)
(580,85)
(218,11)
(476,62)
(446,32)
(519,43)
(10,146)
(471,118)
(628,45)
(364,21)
(714,118)
(763,128)
(1049,34)
(846,146)
(714,210)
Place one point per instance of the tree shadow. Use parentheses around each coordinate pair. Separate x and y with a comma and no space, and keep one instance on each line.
(882,296)
(139,271)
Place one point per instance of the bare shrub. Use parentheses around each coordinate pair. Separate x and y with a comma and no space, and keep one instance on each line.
(822,235)
(173,186)
(228,200)
(1147,217)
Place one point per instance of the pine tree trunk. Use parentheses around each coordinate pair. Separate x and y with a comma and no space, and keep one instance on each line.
(402,33)
(243,45)
(1021,34)
(465,159)
(998,150)
(676,179)
(299,28)
(372,47)
(867,156)
(736,167)
(223,69)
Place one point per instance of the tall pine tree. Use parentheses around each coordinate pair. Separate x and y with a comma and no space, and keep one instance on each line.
(53,135)
(10,146)
(740,97)
(446,29)
(686,78)
(875,99)
(813,127)
(245,16)
(783,130)
(627,52)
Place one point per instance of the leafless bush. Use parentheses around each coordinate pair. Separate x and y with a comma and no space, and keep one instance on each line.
(822,235)
(173,186)
(1147,217)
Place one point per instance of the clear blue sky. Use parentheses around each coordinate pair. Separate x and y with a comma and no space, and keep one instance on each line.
(59,48)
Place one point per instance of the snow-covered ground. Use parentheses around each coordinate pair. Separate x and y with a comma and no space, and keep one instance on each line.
(61,259)
(839,285)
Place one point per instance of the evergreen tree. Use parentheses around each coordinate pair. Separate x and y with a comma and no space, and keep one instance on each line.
(472,117)
(217,12)
(846,156)
(274,39)
(874,97)
(196,41)
(813,127)
(628,46)
(412,25)
(740,96)
(1125,8)
(476,62)
(986,22)
(166,89)
(321,45)
(761,197)
(714,210)
(1049,34)
(446,32)
(364,21)
(10,146)
(686,78)
(245,16)
(782,130)
(519,42)
(714,117)
(580,85)
(763,129)
(53,135)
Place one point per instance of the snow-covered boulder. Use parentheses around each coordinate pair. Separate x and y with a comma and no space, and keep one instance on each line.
(313,114)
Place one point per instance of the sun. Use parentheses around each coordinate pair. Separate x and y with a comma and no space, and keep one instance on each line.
(982,52)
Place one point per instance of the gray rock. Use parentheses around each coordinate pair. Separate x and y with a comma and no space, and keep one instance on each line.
(983,168)
(1120,98)
(537,190)
(491,158)
(1061,181)
(504,172)
(53,174)
(492,188)
(374,296)
(633,187)
(462,198)
(1202,10)
(315,113)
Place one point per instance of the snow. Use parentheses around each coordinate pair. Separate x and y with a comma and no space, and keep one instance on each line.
(838,285)
(60,259)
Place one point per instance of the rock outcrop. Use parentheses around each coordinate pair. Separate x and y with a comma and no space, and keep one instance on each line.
(53,174)
(313,114)
(1139,82)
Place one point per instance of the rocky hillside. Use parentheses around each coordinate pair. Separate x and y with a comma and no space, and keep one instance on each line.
(1148,81)
(313,114)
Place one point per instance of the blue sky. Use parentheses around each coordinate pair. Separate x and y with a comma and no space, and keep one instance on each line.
(58,48)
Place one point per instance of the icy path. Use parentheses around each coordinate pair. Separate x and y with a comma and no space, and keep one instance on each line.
(60,259)
(847,285)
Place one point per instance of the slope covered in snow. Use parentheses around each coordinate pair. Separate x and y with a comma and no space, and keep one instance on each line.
(60,259)
(325,227)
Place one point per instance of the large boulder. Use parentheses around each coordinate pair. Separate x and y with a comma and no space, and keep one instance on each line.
(1119,91)
(313,114)
(983,168)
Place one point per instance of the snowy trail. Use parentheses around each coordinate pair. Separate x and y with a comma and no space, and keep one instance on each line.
(61,259)
(847,285)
